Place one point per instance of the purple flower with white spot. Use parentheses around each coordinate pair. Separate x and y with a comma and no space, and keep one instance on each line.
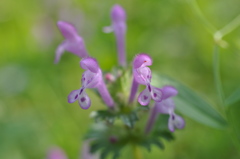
(91,78)
(142,75)
(72,43)
(119,28)
(166,106)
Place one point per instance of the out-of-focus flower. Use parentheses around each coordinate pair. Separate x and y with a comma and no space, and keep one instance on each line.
(56,153)
(72,43)
(119,28)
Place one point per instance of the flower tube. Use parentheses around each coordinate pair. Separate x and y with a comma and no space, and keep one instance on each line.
(73,42)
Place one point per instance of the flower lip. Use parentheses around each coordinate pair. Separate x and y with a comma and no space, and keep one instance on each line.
(90,63)
(67,29)
(169,91)
(118,14)
(142,60)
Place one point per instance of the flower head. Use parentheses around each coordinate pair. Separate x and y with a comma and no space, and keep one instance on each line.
(118,26)
(143,75)
(72,43)
(90,79)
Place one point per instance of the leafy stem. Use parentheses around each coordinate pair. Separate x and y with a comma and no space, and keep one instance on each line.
(210,28)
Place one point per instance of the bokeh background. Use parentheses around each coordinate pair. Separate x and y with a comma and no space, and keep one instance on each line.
(34,113)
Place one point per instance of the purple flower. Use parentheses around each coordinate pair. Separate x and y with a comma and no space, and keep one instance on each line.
(72,43)
(119,28)
(167,106)
(142,75)
(91,78)
(56,153)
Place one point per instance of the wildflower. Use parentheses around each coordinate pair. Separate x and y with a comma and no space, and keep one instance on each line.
(119,28)
(56,153)
(91,78)
(142,75)
(72,43)
(166,106)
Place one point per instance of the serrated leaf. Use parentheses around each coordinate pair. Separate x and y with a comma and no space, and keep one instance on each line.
(158,143)
(233,98)
(166,135)
(129,119)
(104,153)
(95,147)
(146,144)
(191,104)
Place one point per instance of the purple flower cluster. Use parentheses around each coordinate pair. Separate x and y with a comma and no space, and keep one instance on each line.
(92,77)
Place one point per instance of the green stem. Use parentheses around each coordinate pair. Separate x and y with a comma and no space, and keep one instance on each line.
(230,26)
(210,28)
(216,74)
(137,152)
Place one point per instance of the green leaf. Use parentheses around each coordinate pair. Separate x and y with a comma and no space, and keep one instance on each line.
(233,98)
(158,143)
(191,104)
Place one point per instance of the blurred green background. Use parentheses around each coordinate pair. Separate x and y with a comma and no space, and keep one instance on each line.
(34,113)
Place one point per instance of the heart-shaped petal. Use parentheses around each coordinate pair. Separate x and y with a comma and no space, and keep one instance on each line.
(156,94)
(73,96)
(144,97)
(84,101)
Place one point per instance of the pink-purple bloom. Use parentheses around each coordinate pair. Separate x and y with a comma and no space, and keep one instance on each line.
(118,26)
(91,78)
(166,106)
(73,42)
(143,75)
(56,153)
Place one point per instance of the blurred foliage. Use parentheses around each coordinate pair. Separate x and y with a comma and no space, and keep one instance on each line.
(34,113)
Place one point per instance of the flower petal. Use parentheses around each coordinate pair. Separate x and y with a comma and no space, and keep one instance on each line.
(90,63)
(76,46)
(84,101)
(165,106)
(144,97)
(118,14)
(142,75)
(73,96)
(67,29)
(171,124)
(175,121)
(179,122)
(142,60)
(60,50)
(90,79)
(169,91)
(157,94)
